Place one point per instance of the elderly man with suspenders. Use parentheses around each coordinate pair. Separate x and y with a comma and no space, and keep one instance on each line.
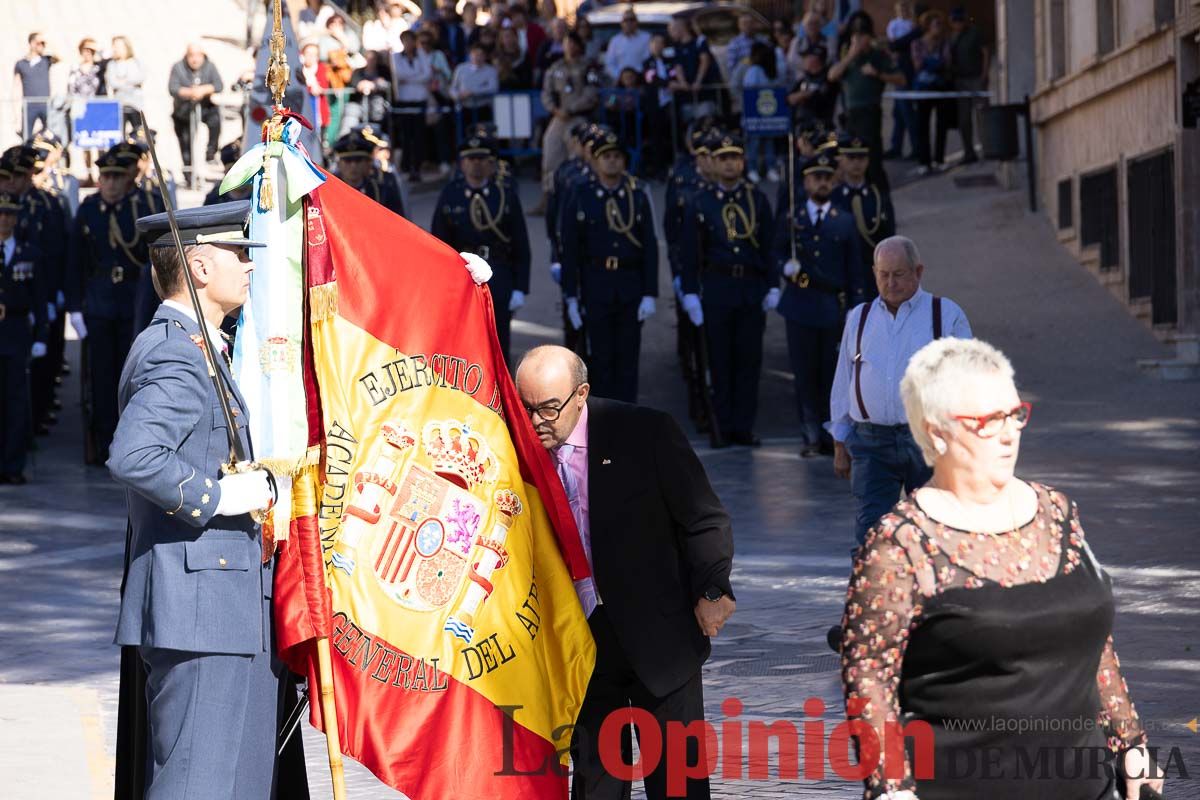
(873,446)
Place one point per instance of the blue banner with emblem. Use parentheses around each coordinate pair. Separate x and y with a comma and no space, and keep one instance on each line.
(765,112)
(98,125)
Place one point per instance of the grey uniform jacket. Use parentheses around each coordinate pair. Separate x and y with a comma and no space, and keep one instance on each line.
(195,580)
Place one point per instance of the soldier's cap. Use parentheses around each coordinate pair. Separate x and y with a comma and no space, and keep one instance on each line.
(728,143)
(222,223)
(127,153)
(606,142)
(579,131)
(477,145)
(820,164)
(354,145)
(112,162)
(9,204)
(375,136)
(830,145)
(5,168)
(850,145)
(231,152)
(45,141)
(21,159)
(697,139)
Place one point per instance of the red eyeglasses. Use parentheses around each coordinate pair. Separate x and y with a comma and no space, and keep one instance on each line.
(989,425)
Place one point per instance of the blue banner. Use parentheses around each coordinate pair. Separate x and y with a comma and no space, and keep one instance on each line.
(99,127)
(765,112)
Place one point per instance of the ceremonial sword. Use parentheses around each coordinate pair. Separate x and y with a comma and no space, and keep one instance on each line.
(238,458)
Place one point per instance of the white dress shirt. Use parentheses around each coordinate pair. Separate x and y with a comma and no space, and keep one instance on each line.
(887,345)
(814,210)
(626,51)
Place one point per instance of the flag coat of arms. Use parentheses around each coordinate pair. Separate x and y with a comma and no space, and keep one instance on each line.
(438,552)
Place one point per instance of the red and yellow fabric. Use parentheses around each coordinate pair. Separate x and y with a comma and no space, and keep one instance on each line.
(448,546)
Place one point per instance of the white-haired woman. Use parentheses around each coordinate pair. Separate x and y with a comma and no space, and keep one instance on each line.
(976,607)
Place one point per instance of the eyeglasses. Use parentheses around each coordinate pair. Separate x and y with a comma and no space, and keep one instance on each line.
(989,425)
(550,413)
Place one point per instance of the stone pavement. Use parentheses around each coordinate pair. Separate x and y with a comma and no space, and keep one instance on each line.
(1124,445)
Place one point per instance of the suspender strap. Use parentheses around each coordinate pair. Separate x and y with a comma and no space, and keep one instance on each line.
(937,318)
(862,326)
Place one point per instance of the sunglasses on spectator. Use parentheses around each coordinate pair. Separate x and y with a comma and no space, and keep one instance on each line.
(988,425)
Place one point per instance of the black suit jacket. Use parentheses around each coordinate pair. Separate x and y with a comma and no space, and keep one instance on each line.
(660,538)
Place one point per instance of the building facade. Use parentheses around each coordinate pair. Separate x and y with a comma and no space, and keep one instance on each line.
(1114,92)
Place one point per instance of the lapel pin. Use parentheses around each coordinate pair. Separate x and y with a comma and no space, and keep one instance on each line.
(606,461)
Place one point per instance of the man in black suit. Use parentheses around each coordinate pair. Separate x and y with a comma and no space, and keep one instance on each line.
(661,550)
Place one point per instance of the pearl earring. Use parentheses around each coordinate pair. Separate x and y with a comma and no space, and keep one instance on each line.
(940,446)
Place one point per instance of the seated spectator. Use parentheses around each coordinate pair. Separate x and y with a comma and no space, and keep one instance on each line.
(629,49)
(192,84)
(474,84)
(511,64)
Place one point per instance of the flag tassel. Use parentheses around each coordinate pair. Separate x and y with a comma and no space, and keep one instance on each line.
(329,715)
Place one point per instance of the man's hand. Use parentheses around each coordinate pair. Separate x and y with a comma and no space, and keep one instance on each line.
(365,86)
(1139,767)
(646,309)
(78,325)
(516,302)
(556,272)
(713,616)
(244,492)
(693,308)
(38,350)
(841,461)
(771,299)
(790,268)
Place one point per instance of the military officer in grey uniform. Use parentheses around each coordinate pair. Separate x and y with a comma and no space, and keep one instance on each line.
(569,94)
(867,203)
(196,599)
(821,279)
(478,213)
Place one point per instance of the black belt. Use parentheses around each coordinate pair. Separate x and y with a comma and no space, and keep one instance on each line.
(117,274)
(733,270)
(614,263)
(489,252)
(808,280)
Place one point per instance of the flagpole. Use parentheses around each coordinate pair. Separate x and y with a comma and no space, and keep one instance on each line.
(277,77)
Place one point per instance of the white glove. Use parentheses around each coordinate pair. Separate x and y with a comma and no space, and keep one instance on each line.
(243,493)
(771,299)
(481,271)
(677,282)
(573,313)
(60,299)
(691,306)
(556,272)
(790,268)
(38,350)
(76,318)
(51,312)
(646,309)
(516,302)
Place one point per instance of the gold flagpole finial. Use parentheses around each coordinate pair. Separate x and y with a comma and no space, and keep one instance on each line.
(277,67)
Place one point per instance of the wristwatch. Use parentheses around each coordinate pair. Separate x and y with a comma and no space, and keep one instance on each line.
(712,594)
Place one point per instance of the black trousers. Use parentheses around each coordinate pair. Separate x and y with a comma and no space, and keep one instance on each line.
(410,121)
(735,346)
(614,344)
(867,122)
(14,410)
(813,356)
(109,341)
(44,371)
(614,686)
(926,109)
(210,118)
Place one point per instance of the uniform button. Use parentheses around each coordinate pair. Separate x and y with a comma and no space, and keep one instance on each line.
(816,238)
(817,254)
(222,561)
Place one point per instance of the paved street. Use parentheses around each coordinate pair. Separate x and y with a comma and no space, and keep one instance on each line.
(1123,445)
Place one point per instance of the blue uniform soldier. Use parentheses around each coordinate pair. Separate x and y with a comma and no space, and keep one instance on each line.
(568,173)
(196,597)
(725,258)
(817,253)
(610,268)
(477,213)
(104,269)
(43,224)
(356,166)
(867,203)
(22,298)
(230,153)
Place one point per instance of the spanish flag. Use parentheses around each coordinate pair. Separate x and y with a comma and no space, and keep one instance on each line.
(437,525)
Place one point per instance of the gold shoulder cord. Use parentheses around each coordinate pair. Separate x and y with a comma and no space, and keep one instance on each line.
(116,237)
(616,222)
(482,217)
(867,233)
(732,213)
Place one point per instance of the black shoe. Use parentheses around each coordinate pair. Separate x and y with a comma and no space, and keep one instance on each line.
(810,451)
(833,638)
(50,418)
(16,479)
(66,368)
(745,439)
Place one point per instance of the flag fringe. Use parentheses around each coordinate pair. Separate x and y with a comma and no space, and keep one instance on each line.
(293,466)
(323,301)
